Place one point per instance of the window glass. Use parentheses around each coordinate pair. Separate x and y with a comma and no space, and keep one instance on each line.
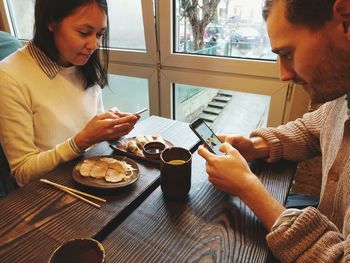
(126,24)
(232,28)
(118,94)
(22,13)
(225,111)
(125,18)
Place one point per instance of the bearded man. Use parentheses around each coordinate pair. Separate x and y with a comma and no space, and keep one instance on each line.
(312,41)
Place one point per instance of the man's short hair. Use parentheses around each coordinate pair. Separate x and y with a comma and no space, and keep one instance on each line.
(310,13)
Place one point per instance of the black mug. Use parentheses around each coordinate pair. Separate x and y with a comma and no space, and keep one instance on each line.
(79,250)
(175,172)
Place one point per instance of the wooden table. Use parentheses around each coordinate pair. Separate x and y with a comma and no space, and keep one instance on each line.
(137,224)
(209,227)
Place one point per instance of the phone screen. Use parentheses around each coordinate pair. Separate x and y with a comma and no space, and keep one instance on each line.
(207,136)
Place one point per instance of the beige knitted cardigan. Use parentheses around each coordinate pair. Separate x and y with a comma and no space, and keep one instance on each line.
(323,234)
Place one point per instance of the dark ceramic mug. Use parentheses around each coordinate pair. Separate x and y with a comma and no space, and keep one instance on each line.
(79,250)
(175,172)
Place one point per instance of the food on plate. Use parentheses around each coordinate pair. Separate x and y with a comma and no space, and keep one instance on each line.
(135,145)
(140,141)
(114,177)
(160,139)
(110,169)
(86,167)
(149,138)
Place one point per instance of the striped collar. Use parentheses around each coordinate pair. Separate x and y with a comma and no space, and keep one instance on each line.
(50,67)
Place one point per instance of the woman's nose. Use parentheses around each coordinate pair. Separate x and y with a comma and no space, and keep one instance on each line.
(93,43)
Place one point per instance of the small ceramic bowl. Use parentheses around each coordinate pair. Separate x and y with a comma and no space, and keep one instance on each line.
(153,149)
(79,250)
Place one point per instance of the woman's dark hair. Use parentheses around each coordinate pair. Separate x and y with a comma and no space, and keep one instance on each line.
(48,11)
(310,13)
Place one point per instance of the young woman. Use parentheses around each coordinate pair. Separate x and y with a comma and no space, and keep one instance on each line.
(51,106)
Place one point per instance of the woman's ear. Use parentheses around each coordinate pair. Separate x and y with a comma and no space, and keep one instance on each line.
(52,26)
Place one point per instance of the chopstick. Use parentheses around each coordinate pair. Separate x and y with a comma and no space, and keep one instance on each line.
(75,193)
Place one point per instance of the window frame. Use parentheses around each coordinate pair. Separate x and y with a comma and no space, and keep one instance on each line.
(6,17)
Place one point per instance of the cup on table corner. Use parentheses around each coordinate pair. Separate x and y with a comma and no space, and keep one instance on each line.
(81,250)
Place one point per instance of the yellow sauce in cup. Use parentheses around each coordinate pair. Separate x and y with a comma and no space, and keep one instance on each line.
(176,162)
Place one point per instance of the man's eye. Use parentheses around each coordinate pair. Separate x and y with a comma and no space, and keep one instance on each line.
(287,56)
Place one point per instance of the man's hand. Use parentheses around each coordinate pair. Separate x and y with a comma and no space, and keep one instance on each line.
(231,174)
(249,148)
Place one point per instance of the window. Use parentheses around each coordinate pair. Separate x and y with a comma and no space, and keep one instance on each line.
(155,51)
(21,13)
(118,94)
(126,24)
(190,57)
(216,106)
(235,29)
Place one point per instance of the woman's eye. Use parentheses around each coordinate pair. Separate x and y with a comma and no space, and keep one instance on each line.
(83,33)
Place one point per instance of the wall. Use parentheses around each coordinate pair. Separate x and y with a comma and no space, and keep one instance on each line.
(300,103)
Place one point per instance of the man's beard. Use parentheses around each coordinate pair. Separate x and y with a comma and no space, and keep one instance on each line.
(331,78)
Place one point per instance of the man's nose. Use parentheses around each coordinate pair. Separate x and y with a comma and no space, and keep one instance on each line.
(286,71)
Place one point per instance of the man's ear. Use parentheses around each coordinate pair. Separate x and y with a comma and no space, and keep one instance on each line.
(341,11)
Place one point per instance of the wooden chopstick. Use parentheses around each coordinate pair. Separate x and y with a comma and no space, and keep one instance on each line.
(74,192)
(80,197)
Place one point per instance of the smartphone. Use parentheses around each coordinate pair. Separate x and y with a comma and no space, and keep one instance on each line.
(141,111)
(207,136)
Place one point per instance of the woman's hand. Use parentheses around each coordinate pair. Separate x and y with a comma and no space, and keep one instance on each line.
(105,126)
(119,113)
(229,173)
(249,148)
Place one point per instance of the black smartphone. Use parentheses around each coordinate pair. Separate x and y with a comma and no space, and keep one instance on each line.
(207,136)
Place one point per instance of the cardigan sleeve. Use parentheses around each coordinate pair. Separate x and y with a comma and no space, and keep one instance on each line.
(297,140)
(310,238)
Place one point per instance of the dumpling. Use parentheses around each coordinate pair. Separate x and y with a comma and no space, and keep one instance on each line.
(132,147)
(149,138)
(160,139)
(140,141)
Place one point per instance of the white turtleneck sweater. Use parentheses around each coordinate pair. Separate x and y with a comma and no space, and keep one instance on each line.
(42,106)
